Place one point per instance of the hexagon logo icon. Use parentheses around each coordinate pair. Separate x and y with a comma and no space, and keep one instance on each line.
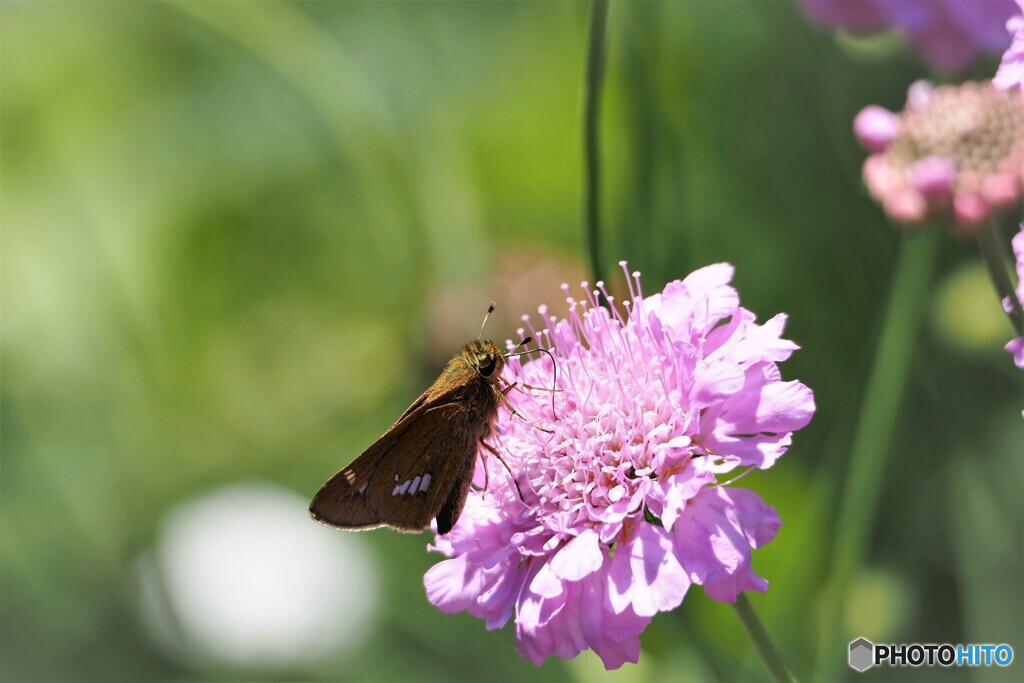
(862,654)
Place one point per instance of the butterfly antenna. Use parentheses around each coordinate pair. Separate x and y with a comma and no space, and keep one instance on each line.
(554,368)
(490,309)
(554,380)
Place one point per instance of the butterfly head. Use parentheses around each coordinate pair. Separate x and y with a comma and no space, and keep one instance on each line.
(485,357)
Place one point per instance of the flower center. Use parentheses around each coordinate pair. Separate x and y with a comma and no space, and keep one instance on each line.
(980,129)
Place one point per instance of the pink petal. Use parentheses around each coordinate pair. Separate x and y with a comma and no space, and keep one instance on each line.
(579,558)
(970,208)
(1016,347)
(1011,70)
(905,205)
(880,177)
(934,177)
(729,588)
(717,382)
(659,581)
(1001,189)
(775,407)
(453,585)
(875,127)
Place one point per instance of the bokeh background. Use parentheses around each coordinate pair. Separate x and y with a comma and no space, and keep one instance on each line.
(239,238)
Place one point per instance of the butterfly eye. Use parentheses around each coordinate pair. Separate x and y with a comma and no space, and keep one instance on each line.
(486,365)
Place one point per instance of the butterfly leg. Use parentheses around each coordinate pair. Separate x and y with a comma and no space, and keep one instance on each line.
(503,397)
(496,454)
(516,385)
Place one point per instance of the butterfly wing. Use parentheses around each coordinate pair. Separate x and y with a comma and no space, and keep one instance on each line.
(421,466)
(433,473)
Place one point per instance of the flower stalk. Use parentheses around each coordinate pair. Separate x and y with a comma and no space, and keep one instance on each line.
(766,649)
(997,260)
(872,439)
(591,144)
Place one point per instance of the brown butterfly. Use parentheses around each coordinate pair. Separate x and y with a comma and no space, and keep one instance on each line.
(422,467)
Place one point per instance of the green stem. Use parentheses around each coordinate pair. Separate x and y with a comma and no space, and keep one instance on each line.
(998,261)
(770,655)
(870,450)
(591,150)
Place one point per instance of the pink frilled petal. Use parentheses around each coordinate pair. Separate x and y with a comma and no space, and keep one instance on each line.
(767,407)
(1016,347)
(715,535)
(880,177)
(716,382)
(875,127)
(970,209)
(1001,189)
(580,557)
(766,342)
(1018,253)
(948,34)
(759,450)
(697,303)
(728,589)
(744,343)
(934,177)
(574,621)
(460,584)
(645,574)
(614,638)
(669,495)
(944,45)
(920,95)
(984,23)
(1011,70)
(906,205)
(454,585)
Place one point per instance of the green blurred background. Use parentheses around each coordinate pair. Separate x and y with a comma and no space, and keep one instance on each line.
(239,238)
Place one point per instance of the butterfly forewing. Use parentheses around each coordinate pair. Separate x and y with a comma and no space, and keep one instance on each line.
(409,491)
(421,467)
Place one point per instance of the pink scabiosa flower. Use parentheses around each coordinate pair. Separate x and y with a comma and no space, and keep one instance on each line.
(622,509)
(948,34)
(955,152)
(1011,69)
(1016,346)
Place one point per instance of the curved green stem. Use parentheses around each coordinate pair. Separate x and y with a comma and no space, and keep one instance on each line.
(591,148)
(770,655)
(870,450)
(998,261)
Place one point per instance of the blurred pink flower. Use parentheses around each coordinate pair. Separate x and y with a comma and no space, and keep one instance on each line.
(1011,70)
(622,511)
(1016,346)
(948,34)
(955,152)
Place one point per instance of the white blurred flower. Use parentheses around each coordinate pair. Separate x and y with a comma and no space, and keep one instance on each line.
(241,577)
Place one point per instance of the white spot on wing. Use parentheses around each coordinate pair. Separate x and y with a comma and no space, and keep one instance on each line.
(411,486)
